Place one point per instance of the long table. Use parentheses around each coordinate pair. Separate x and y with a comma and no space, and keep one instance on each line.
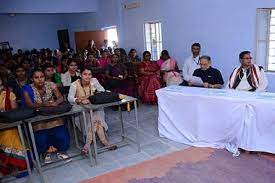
(125,139)
(217,118)
(83,109)
(76,109)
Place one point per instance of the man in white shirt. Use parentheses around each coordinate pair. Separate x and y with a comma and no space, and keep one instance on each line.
(248,76)
(192,62)
(105,45)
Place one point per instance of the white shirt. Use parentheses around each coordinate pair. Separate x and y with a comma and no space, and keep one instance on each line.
(189,66)
(66,78)
(98,115)
(72,91)
(244,85)
(104,47)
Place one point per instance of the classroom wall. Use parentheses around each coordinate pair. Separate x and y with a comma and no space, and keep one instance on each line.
(106,16)
(49,6)
(29,31)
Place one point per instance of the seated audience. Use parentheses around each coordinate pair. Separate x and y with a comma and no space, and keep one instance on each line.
(51,136)
(52,76)
(211,77)
(91,61)
(149,79)
(104,60)
(9,65)
(121,55)
(18,82)
(27,64)
(72,74)
(117,52)
(117,77)
(115,45)
(123,58)
(132,56)
(248,76)
(192,62)
(67,50)
(11,149)
(105,45)
(94,65)
(79,93)
(57,61)
(92,49)
(64,66)
(80,59)
(90,45)
(132,65)
(169,69)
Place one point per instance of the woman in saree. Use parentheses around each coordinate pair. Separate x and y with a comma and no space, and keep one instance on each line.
(12,157)
(149,79)
(79,93)
(117,77)
(132,56)
(169,69)
(132,67)
(51,136)
(98,71)
(104,59)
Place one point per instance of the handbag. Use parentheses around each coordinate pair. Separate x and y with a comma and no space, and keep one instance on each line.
(104,97)
(16,115)
(55,110)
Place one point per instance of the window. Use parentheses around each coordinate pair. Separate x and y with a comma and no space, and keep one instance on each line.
(271,46)
(265,46)
(111,36)
(153,39)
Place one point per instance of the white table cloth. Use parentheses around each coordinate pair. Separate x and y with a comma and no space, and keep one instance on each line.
(217,118)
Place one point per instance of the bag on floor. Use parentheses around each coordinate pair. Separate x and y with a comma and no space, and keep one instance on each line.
(55,110)
(104,97)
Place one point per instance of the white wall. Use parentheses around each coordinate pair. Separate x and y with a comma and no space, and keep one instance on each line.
(30,31)
(34,30)
(49,6)
(35,23)
(106,16)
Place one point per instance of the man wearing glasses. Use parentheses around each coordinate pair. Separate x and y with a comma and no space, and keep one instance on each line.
(248,76)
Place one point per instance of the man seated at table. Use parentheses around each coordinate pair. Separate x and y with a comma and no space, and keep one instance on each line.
(210,76)
(248,76)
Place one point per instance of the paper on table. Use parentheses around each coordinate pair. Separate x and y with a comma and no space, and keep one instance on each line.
(196,81)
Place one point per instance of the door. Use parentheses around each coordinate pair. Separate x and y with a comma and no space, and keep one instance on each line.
(82,38)
(63,37)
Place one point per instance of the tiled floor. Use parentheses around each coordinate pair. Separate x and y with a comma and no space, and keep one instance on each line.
(151,146)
